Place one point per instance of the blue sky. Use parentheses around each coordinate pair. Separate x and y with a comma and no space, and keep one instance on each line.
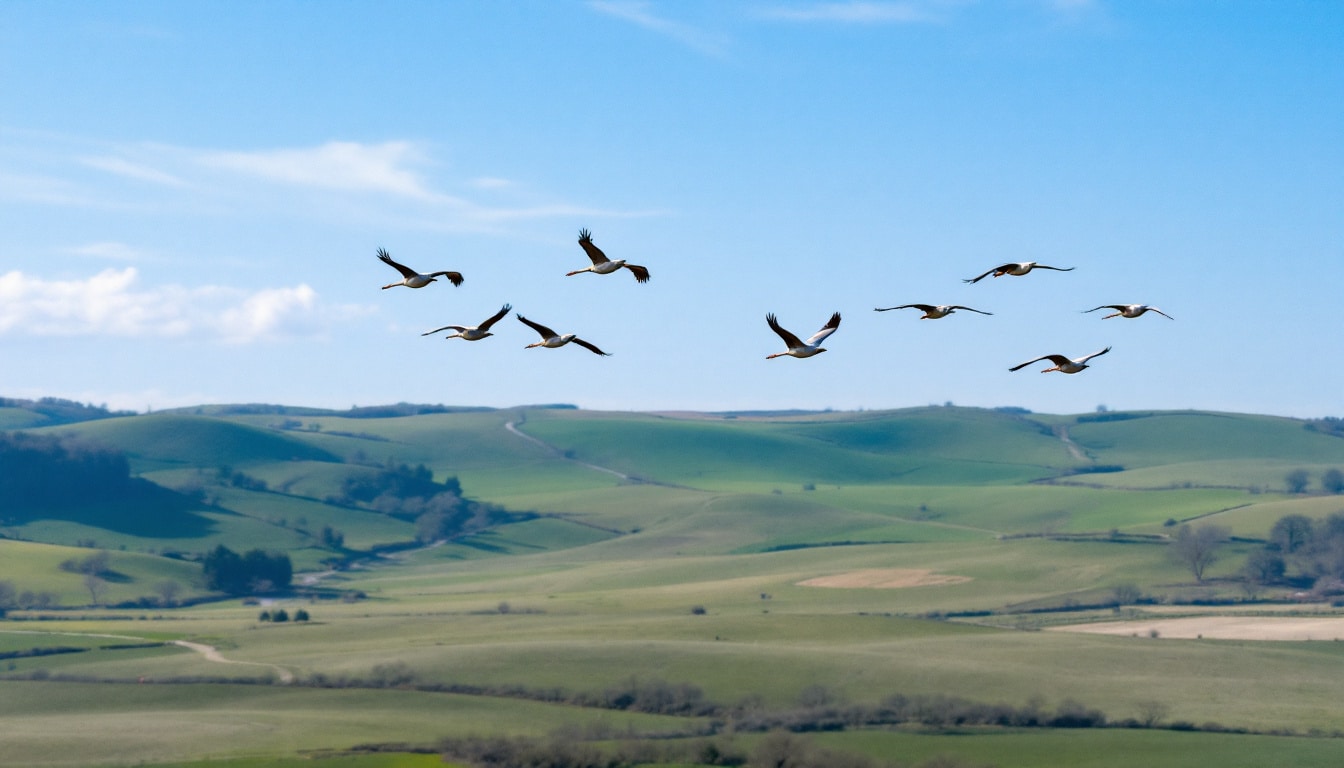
(192,194)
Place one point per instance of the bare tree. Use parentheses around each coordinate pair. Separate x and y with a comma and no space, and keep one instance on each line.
(1197,548)
(1152,712)
(96,586)
(1291,533)
(1126,594)
(168,590)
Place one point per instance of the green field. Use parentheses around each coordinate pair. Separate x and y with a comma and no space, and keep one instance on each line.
(765,563)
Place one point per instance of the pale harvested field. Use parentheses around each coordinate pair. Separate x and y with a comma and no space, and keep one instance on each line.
(1221,628)
(885,578)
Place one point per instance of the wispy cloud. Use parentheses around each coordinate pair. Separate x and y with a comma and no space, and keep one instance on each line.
(853,12)
(111,303)
(641,13)
(345,165)
(123,167)
(111,251)
(396,180)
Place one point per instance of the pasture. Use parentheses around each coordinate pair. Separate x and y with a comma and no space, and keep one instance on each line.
(757,566)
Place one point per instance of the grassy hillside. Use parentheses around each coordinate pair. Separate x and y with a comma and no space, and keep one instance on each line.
(34,567)
(160,441)
(762,561)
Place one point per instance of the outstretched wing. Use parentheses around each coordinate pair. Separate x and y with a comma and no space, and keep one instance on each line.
(546,333)
(402,268)
(589,347)
(1160,312)
(595,254)
(970,309)
(1116,307)
(977,279)
(1085,358)
(1057,269)
(495,318)
(457,328)
(1056,359)
(641,274)
(453,277)
(921,307)
(826,330)
(791,341)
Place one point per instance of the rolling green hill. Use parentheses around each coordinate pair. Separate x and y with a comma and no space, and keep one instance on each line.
(757,560)
(736,482)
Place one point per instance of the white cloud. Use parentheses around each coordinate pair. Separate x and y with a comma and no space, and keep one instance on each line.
(47,190)
(111,251)
(123,167)
(111,303)
(853,12)
(639,13)
(354,180)
(344,165)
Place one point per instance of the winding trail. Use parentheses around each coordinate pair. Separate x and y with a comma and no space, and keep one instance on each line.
(1062,432)
(512,427)
(211,653)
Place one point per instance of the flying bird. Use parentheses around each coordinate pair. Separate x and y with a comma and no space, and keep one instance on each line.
(932,311)
(1016,269)
(1129,310)
(800,348)
(470,333)
(601,264)
(1062,363)
(413,279)
(552,339)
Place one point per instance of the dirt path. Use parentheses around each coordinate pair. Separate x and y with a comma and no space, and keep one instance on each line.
(885,578)
(1062,432)
(1282,628)
(512,427)
(211,653)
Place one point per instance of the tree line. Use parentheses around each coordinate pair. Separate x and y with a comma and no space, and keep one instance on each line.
(47,471)
(256,571)
(1301,551)
(1299,480)
(439,510)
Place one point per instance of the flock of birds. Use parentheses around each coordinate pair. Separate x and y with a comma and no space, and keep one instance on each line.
(795,347)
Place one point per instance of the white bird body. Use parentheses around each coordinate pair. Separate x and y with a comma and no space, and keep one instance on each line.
(472,333)
(797,347)
(602,265)
(932,311)
(1016,269)
(1129,310)
(550,339)
(412,279)
(1062,363)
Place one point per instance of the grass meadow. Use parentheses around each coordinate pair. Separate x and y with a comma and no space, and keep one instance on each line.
(699,568)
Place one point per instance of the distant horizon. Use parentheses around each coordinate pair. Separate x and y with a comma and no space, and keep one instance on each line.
(463,407)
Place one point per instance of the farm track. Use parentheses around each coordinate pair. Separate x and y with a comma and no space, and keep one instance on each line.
(211,653)
(512,427)
(1076,451)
